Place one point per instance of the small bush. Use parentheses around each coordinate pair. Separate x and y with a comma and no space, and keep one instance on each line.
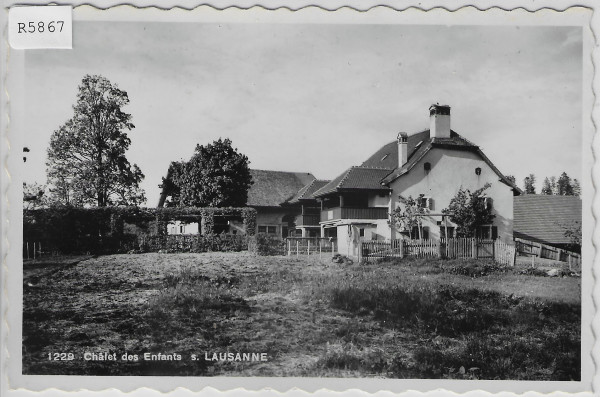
(266,245)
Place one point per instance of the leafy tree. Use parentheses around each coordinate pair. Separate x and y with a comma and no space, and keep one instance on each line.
(468,210)
(546,187)
(529,184)
(217,175)
(564,185)
(86,159)
(409,215)
(572,231)
(512,179)
(34,196)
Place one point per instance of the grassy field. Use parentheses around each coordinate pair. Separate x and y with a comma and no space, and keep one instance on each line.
(410,319)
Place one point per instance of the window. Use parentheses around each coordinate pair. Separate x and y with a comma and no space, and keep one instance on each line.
(425,202)
(487,232)
(267,229)
(361,232)
(427,167)
(477,171)
(423,235)
(487,202)
(451,230)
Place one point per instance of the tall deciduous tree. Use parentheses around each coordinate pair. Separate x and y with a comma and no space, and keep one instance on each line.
(86,159)
(468,210)
(529,184)
(217,175)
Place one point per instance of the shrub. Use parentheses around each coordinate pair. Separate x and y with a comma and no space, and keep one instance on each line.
(266,245)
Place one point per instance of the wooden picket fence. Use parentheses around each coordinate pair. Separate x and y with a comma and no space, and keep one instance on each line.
(539,250)
(310,246)
(452,248)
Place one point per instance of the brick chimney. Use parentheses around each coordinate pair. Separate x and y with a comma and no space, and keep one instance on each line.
(402,139)
(439,119)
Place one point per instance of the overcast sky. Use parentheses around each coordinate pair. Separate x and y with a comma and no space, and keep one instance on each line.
(319,98)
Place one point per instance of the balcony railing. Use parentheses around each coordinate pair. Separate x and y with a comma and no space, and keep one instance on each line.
(353,213)
(307,220)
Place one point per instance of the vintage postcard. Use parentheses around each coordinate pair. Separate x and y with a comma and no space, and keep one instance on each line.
(383,200)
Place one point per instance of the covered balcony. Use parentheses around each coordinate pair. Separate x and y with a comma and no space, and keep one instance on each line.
(353,206)
(353,213)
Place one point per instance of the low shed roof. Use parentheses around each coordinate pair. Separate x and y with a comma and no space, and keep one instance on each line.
(272,188)
(543,218)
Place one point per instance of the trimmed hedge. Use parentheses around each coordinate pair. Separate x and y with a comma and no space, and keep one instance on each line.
(266,245)
(193,243)
(70,230)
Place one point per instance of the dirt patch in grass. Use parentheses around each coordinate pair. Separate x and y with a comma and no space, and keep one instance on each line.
(417,319)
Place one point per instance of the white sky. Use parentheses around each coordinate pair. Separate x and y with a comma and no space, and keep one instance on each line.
(319,98)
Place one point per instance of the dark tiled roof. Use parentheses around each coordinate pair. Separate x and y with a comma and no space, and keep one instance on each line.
(455,141)
(387,156)
(539,217)
(272,188)
(361,178)
(306,193)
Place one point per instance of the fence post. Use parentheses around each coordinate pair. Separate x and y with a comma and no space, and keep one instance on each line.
(297,248)
(332,249)
(558,253)
(540,251)
(308,250)
(474,248)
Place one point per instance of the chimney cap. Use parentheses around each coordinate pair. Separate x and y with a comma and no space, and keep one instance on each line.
(439,109)
(402,137)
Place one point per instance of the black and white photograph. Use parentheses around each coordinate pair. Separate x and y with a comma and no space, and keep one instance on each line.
(308,200)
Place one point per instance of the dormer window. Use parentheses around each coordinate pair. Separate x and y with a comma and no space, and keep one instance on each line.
(418,145)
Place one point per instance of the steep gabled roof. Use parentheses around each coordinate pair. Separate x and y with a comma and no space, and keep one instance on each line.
(272,188)
(306,193)
(455,141)
(355,178)
(387,156)
(541,218)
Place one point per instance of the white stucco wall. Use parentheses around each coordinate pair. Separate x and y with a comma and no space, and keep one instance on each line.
(376,200)
(451,170)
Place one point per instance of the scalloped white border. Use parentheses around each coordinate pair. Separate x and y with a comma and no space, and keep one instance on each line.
(548,12)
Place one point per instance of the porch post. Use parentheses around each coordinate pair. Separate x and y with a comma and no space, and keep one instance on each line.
(341,201)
